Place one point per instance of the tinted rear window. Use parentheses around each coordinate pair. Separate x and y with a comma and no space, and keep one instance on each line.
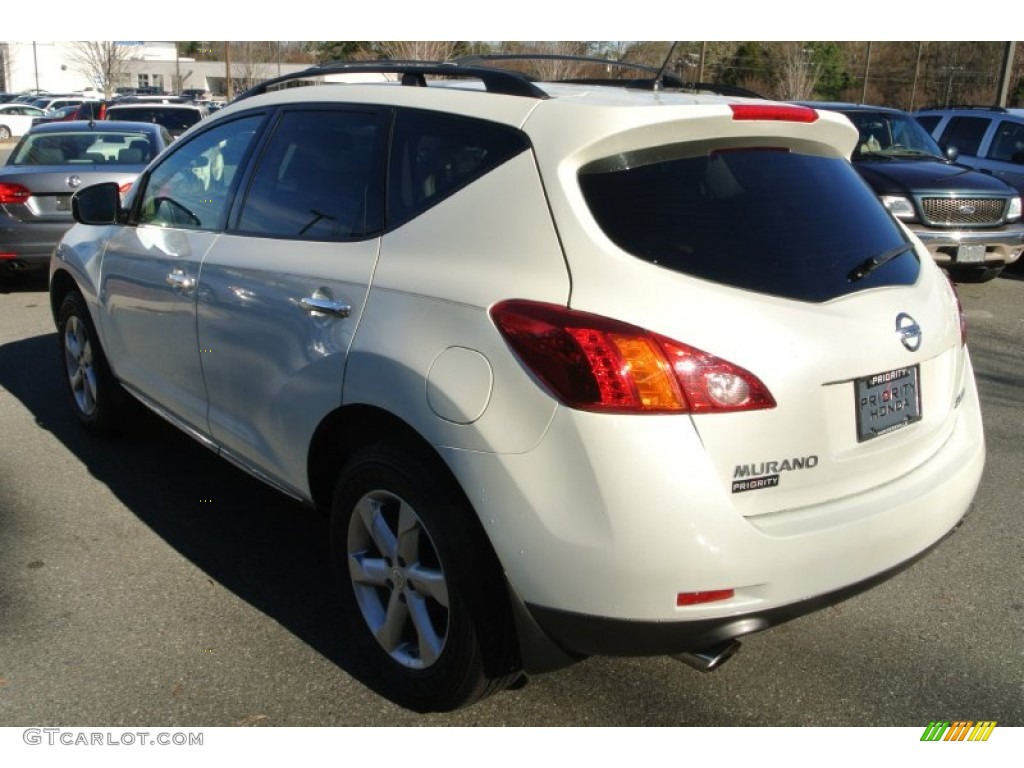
(766,220)
(174,120)
(83,148)
(965,133)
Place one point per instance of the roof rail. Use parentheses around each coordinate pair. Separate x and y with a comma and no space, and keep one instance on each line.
(980,107)
(414,73)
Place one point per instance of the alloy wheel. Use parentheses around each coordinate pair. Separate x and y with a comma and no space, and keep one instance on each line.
(398,579)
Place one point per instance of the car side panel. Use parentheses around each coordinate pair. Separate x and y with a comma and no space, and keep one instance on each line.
(425,331)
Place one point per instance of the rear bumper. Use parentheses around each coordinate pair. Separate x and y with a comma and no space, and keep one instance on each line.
(28,245)
(583,635)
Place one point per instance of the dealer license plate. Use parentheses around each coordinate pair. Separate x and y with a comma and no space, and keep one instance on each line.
(970,254)
(887,401)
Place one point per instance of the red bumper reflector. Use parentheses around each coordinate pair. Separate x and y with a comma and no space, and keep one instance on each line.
(684,599)
(8,255)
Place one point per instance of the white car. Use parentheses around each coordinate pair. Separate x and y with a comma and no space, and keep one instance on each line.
(16,119)
(576,369)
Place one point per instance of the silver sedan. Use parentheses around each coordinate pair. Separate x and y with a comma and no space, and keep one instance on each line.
(48,165)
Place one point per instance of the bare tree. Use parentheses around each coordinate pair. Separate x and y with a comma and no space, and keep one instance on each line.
(104,63)
(796,73)
(419,50)
(252,62)
(555,69)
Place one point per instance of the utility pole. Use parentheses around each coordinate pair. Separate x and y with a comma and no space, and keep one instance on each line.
(228,91)
(867,68)
(917,74)
(1004,80)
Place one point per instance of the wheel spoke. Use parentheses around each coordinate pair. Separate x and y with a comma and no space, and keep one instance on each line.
(430,642)
(371,571)
(370,512)
(408,534)
(389,634)
(89,391)
(429,582)
(71,342)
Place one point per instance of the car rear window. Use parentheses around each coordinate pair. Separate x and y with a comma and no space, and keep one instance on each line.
(83,148)
(768,220)
(175,120)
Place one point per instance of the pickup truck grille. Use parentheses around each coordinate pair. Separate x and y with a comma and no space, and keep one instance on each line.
(973,211)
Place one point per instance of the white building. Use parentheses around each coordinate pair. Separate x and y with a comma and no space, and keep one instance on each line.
(54,66)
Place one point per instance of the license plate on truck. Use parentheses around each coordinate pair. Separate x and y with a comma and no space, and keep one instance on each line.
(887,401)
(970,254)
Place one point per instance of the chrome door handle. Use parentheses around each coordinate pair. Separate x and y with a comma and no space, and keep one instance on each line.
(317,305)
(178,280)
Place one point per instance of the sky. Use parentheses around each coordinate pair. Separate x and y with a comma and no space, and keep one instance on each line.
(528,20)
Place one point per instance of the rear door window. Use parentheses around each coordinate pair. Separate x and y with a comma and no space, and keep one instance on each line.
(965,133)
(1008,142)
(768,220)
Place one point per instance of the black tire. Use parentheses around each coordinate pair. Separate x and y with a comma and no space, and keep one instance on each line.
(97,399)
(5,133)
(979,274)
(433,593)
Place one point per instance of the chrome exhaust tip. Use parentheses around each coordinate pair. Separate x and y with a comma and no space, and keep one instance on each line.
(711,658)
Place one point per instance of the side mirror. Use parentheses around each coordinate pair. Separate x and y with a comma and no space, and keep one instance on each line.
(97,205)
(952,153)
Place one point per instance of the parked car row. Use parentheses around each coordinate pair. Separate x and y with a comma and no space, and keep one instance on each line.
(175,113)
(969,221)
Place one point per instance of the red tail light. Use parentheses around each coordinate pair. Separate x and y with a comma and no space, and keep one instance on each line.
(790,113)
(595,363)
(14,193)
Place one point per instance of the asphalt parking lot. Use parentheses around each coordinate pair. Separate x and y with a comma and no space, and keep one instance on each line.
(145,581)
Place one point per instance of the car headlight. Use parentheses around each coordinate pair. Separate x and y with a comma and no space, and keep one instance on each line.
(1014,212)
(900,207)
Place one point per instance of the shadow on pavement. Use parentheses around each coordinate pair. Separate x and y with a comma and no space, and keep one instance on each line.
(266,548)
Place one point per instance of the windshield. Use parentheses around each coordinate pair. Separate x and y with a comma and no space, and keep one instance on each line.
(83,148)
(891,134)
